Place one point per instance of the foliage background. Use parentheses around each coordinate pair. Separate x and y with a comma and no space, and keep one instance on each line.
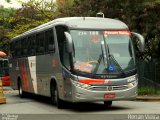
(141,16)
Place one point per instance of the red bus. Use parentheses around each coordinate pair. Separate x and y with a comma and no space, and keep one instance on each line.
(4,69)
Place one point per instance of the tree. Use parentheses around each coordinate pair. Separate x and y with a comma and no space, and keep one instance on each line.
(141,16)
(5,27)
(8,1)
(64,7)
(32,14)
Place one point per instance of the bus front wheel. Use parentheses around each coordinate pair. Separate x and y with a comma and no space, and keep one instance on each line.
(108,103)
(55,97)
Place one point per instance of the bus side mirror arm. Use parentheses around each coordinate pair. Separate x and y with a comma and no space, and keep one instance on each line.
(141,41)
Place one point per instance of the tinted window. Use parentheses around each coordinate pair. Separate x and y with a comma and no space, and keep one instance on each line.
(24,48)
(49,41)
(12,49)
(32,45)
(17,48)
(40,43)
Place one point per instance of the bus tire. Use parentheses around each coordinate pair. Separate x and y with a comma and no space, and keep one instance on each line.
(59,102)
(55,96)
(20,89)
(108,103)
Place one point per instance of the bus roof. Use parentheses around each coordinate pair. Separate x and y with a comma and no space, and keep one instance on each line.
(93,23)
(84,23)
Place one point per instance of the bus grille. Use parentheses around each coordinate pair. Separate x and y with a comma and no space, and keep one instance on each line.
(105,88)
(123,87)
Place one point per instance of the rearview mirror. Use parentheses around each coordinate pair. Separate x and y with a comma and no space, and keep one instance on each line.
(69,42)
(141,41)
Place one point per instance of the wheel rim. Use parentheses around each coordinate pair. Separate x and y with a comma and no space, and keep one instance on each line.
(20,90)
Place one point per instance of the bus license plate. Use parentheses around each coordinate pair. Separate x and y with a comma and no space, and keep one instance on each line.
(109,95)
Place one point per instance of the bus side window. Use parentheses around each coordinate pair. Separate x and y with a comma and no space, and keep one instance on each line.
(40,43)
(29,45)
(25,47)
(12,50)
(50,46)
(19,48)
(16,48)
(32,45)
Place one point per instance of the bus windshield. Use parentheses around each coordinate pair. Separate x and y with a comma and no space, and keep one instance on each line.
(103,52)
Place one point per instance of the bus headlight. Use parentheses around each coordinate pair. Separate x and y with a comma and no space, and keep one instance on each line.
(132,81)
(132,84)
(81,85)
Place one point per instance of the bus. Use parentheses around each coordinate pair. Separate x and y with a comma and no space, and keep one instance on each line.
(76,59)
(4,69)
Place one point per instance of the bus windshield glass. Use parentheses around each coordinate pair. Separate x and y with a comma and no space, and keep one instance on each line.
(103,52)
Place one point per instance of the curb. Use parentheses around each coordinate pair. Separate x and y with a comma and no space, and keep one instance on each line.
(148,98)
(7,90)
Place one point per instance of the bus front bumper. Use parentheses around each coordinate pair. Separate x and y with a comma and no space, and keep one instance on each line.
(85,95)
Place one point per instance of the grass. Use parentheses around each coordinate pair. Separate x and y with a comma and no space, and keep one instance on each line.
(148,91)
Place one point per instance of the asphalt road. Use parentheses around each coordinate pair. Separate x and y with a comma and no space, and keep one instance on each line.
(40,107)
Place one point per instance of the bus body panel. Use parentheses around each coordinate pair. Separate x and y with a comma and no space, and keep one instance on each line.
(47,71)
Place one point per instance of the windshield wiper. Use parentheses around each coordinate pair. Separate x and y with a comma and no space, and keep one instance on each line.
(98,64)
(103,55)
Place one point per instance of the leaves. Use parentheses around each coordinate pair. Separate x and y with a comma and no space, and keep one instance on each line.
(14,22)
(8,1)
(140,15)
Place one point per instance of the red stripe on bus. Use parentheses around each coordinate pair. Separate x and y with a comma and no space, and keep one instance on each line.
(24,76)
(92,81)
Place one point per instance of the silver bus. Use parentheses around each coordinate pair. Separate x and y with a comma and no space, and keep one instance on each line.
(76,59)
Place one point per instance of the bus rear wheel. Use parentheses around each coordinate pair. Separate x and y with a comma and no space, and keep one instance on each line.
(20,90)
(55,97)
(108,103)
